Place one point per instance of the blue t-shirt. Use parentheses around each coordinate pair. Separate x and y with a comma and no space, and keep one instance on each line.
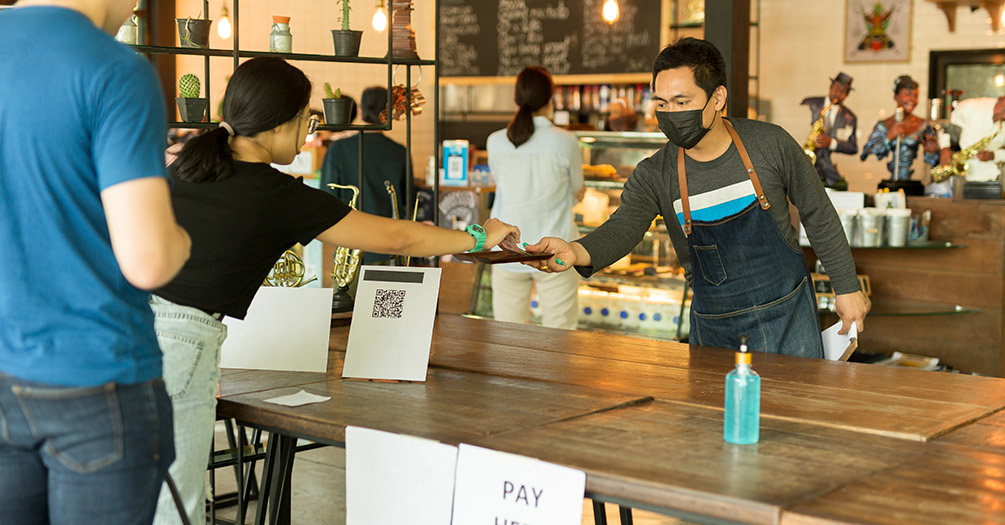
(79,113)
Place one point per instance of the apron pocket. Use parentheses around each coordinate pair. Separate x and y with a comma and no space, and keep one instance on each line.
(710,264)
(787,325)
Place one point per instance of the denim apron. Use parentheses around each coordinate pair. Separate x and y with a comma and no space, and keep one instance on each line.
(748,279)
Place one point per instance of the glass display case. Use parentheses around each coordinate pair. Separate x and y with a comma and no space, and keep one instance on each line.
(644,292)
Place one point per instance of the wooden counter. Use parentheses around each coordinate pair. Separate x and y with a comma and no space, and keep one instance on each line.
(940,279)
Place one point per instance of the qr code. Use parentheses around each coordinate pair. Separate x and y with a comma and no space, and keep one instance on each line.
(388,304)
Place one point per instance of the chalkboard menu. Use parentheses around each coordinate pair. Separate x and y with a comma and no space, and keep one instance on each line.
(568,37)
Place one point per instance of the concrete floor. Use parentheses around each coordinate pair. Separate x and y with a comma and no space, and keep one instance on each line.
(319,491)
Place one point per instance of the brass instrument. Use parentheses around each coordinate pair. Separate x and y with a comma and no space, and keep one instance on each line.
(958,162)
(288,271)
(346,262)
(810,147)
(394,213)
(394,199)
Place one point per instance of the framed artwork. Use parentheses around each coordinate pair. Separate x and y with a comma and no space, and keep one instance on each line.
(877,31)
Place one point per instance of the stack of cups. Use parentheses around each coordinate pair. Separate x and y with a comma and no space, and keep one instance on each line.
(869,228)
(847,217)
(898,222)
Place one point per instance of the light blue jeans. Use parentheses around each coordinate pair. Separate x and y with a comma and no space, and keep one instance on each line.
(190,340)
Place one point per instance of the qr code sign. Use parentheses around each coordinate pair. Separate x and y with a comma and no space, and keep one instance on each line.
(388,304)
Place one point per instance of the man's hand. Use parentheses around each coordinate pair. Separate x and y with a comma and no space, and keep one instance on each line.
(822,141)
(566,256)
(852,307)
(985,155)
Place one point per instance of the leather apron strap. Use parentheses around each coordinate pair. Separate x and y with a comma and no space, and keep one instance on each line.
(682,177)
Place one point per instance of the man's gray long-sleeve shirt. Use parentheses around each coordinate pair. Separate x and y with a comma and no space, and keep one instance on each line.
(785,174)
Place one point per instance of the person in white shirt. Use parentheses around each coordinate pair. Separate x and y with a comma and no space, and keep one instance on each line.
(978,118)
(539,176)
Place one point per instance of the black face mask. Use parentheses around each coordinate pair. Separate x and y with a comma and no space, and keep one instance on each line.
(683,128)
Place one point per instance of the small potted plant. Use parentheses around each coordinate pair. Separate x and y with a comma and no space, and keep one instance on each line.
(193,32)
(190,107)
(338,109)
(346,41)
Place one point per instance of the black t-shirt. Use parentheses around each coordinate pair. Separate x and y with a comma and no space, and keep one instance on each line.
(239,227)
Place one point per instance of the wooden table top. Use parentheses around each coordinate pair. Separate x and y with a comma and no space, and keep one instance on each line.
(450,406)
(672,456)
(840,442)
(908,404)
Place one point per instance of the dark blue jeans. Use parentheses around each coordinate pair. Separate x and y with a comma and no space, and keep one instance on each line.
(82,455)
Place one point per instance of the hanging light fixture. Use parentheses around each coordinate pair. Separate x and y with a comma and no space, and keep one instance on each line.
(223,28)
(611,11)
(380,17)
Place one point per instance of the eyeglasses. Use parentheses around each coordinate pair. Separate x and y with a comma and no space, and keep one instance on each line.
(313,122)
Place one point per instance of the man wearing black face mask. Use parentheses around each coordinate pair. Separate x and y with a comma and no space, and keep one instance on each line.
(728,183)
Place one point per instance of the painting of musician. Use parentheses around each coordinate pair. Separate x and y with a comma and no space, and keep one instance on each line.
(837,128)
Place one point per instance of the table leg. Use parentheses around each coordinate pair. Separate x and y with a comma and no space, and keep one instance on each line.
(599,513)
(626,515)
(266,493)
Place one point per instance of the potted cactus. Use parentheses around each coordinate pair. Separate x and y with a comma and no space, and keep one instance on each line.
(338,109)
(346,40)
(191,108)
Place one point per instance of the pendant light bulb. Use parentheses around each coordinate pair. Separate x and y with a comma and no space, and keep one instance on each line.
(611,11)
(223,28)
(380,17)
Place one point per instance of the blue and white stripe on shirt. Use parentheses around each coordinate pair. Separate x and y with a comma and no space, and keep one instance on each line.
(719,203)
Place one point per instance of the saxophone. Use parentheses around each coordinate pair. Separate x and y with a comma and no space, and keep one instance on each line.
(958,162)
(346,260)
(810,147)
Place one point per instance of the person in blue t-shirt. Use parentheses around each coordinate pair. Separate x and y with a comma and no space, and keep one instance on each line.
(86,227)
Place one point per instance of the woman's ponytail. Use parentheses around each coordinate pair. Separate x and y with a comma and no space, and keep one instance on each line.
(205,158)
(521,127)
(533,91)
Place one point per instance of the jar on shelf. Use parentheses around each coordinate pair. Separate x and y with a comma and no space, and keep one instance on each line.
(281,40)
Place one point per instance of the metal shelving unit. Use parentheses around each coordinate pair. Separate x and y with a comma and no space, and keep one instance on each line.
(237,53)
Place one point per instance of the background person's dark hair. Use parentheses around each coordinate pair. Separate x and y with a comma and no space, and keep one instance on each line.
(534,88)
(372,102)
(262,94)
(904,82)
(701,56)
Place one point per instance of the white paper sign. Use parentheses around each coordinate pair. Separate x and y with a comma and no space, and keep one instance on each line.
(839,347)
(392,478)
(499,488)
(285,329)
(392,323)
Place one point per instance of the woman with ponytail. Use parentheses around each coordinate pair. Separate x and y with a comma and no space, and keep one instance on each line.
(539,176)
(242,214)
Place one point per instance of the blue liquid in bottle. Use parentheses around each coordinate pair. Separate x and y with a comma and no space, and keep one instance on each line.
(741,423)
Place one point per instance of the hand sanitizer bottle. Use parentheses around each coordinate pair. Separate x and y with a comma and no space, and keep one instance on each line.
(741,422)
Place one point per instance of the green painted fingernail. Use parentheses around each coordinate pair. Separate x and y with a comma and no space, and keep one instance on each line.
(525,244)
(559,261)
